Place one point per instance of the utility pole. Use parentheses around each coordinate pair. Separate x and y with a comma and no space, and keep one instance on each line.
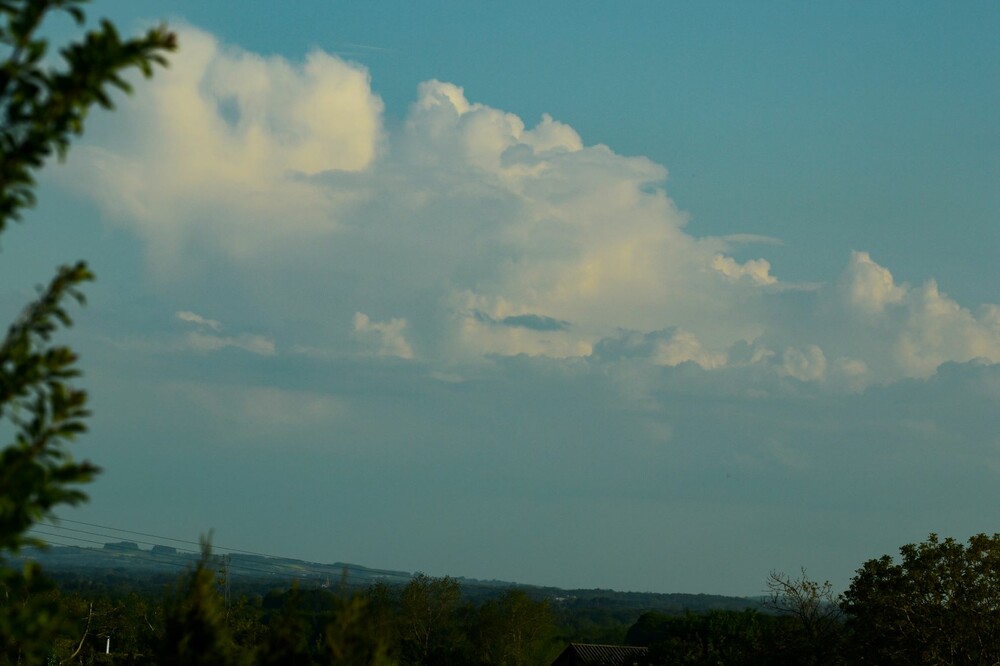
(225,564)
(223,579)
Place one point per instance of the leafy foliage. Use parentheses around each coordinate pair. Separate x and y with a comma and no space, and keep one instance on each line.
(939,605)
(513,629)
(41,108)
(30,616)
(36,472)
(427,610)
(716,637)
(816,633)
(195,623)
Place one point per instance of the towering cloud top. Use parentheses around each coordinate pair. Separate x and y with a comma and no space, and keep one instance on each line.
(467,233)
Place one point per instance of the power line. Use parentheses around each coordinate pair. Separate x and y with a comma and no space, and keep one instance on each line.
(50,542)
(386,572)
(294,570)
(291,571)
(187,565)
(157,536)
(146,556)
(111,536)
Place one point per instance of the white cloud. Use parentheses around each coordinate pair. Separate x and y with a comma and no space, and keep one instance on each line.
(682,347)
(850,374)
(193,318)
(386,338)
(216,146)
(206,342)
(808,364)
(868,286)
(669,347)
(914,329)
(757,270)
(937,329)
(444,128)
(481,234)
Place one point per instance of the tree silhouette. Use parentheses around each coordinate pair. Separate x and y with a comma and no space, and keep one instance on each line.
(42,107)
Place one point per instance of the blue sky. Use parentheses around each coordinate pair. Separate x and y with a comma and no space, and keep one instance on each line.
(663,297)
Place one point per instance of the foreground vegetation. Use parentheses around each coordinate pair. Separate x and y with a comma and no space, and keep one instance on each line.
(423,622)
(938,604)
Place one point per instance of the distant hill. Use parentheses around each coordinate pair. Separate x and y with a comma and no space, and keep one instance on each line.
(126,557)
(123,563)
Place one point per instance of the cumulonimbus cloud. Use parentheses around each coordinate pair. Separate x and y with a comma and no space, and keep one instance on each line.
(481,235)
(221,144)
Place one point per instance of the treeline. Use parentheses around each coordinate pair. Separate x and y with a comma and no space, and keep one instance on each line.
(938,604)
(427,621)
(202,618)
(235,619)
(733,638)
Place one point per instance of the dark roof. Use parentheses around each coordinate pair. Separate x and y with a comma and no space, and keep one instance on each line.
(585,654)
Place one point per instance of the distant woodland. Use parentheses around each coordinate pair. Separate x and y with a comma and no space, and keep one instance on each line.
(123,599)
(937,603)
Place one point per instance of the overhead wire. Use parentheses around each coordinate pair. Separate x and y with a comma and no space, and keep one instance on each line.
(295,569)
(51,542)
(384,572)
(285,571)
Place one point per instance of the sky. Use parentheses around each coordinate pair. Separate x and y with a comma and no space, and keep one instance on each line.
(651,296)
